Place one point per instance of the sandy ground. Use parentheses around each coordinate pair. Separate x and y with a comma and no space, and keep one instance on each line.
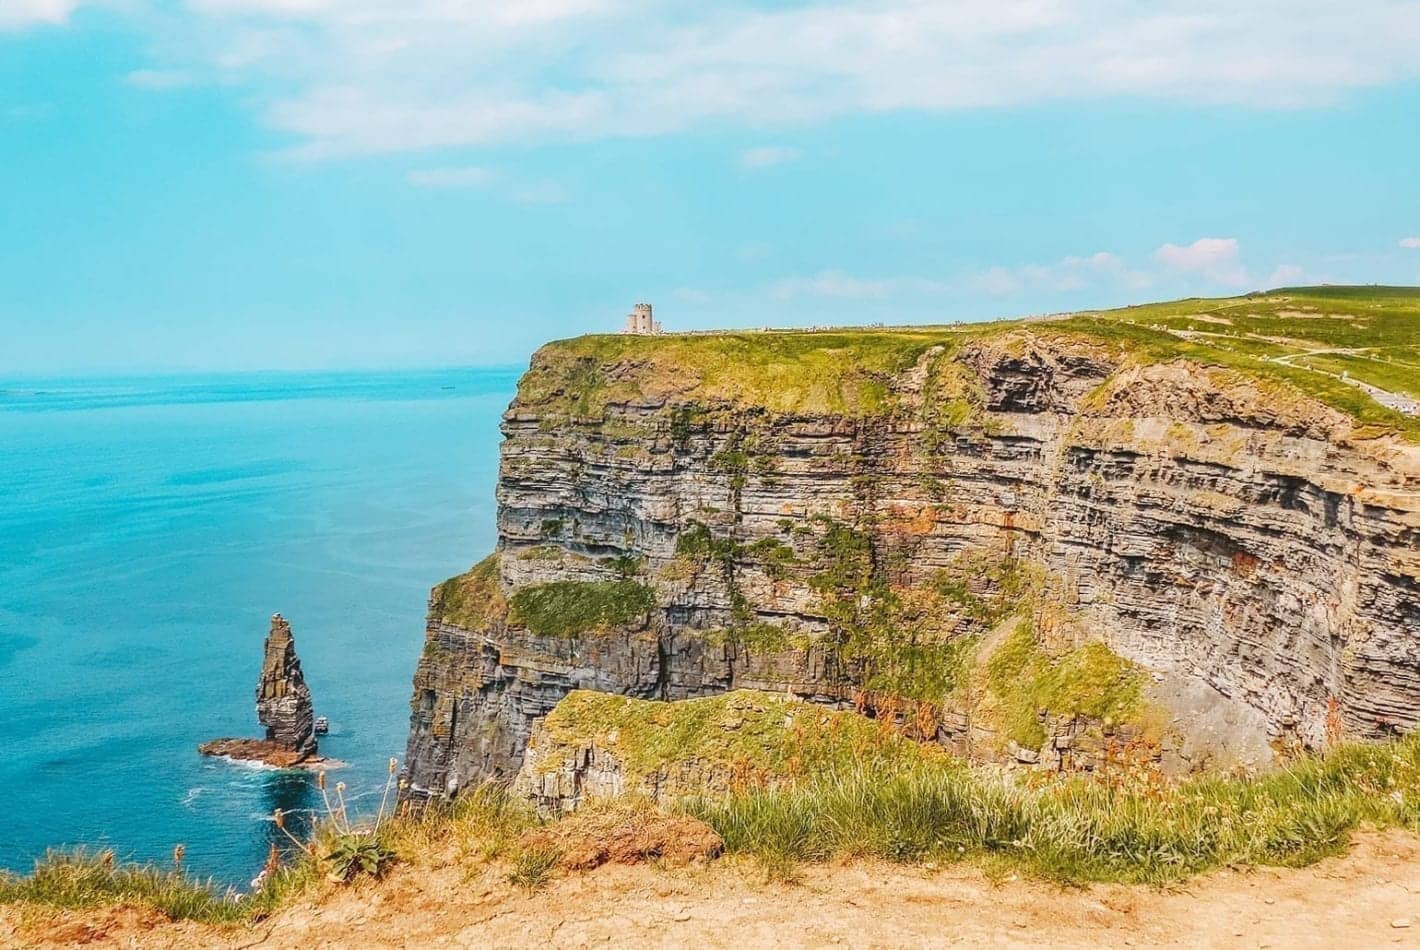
(1368,898)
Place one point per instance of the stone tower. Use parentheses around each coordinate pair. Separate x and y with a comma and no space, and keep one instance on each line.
(283,702)
(639,320)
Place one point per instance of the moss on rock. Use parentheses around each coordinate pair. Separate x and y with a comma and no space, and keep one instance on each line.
(1090,680)
(571,608)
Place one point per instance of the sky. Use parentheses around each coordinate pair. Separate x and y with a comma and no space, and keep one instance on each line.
(310,184)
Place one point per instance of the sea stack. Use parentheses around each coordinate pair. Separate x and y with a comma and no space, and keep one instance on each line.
(283,706)
(283,701)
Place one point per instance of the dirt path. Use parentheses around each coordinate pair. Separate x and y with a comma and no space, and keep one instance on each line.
(1365,899)
(1391,400)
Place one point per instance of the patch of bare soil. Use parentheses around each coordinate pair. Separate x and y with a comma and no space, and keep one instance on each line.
(1368,898)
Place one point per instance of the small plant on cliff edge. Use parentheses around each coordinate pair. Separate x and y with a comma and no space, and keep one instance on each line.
(350,850)
(352,855)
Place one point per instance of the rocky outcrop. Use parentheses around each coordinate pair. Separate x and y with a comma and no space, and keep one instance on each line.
(283,701)
(1203,525)
(283,706)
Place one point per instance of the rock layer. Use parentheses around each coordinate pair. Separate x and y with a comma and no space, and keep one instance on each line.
(1203,525)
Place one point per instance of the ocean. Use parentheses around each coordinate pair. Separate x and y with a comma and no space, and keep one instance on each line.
(150,527)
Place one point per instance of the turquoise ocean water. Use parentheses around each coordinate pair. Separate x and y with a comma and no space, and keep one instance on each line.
(148,530)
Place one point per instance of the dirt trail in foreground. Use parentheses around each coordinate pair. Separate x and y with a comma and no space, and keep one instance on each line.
(1369,898)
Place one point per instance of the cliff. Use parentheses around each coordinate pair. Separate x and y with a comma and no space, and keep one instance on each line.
(1185,528)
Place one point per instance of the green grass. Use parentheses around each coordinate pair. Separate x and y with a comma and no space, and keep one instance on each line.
(851,371)
(782,371)
(868,793)
(79,879)
(533,867)
(1078,830)
(763,735)
(483,823)
(1395,370)
(572,608)
(472,599)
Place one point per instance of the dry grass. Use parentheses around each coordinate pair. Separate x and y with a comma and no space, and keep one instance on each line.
(1080,829)
(625,831)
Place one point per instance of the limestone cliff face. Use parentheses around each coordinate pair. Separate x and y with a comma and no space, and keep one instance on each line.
(1204,525)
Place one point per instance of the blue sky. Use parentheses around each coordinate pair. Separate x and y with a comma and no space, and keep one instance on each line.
(231,184)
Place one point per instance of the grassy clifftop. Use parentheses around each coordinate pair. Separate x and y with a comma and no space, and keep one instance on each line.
(1319,341)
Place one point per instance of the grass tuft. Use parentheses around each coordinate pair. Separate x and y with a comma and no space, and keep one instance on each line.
(533,867)
(78,879)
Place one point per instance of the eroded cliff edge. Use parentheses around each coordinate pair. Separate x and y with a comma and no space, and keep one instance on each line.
(840,515)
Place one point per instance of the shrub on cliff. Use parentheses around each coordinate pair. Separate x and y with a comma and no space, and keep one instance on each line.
(1090,680)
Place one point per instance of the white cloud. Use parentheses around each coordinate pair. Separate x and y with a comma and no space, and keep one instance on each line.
(767,156)
(1287,275)
(838,285)
(348,77)
(1215,259)
(1410,242)
(462,177)
(18,14)
(1064,276)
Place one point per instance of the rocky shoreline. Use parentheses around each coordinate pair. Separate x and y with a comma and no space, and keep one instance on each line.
(266,753)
